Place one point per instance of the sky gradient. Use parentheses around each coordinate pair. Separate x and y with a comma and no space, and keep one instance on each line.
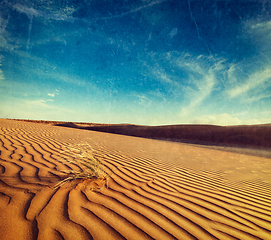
(150,62)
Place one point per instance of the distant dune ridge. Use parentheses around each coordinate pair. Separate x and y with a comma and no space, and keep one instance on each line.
(242,136)
(252,136)
(156,190)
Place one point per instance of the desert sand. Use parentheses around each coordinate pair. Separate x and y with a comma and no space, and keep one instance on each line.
(156,190)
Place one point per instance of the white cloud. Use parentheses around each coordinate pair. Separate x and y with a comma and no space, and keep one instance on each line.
(143,100)
(30,12)
(226,119)
(256,98)
(205,87)
(33,109)
(166,78)
(190,79)
(2,77)
(261,35)
(65,14)
(253,82)
(264,27)
(51,94)
(217,119)
(202,78)
(40,102)
(246,80)
(173,32)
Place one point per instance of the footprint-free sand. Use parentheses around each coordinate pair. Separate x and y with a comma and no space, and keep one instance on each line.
(156,190)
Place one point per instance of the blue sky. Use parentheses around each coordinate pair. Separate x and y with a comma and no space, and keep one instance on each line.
(150,62)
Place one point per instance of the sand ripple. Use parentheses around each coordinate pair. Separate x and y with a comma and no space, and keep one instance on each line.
(156,190)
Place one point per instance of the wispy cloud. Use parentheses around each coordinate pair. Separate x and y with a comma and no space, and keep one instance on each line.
(203,79)
(2,77)
(40,102)
(143,100)
(264,27)
(260,33)
(3,24)
(256,98)
(65,14)
(158,94)
(191,79)
(253,82)
(51,94)
(226,119)
(48,70)
(30,12)
(166,78)
(217,119)
(32,109)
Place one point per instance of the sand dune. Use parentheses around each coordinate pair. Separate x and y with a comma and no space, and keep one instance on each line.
(157,190)
(252,136)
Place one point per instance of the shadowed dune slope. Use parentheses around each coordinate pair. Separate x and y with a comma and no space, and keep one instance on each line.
(253,136)
(157,190)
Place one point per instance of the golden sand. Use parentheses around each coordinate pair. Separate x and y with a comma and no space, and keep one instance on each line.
(157,189)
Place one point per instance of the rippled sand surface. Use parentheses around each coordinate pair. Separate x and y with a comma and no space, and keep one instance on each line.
(157,189)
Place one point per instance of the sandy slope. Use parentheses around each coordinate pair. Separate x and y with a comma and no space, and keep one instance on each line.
(157,190)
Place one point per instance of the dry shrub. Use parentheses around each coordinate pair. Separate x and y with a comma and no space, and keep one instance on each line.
(90,168)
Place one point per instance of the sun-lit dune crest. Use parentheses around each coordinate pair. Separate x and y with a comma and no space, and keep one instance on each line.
(156,189)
